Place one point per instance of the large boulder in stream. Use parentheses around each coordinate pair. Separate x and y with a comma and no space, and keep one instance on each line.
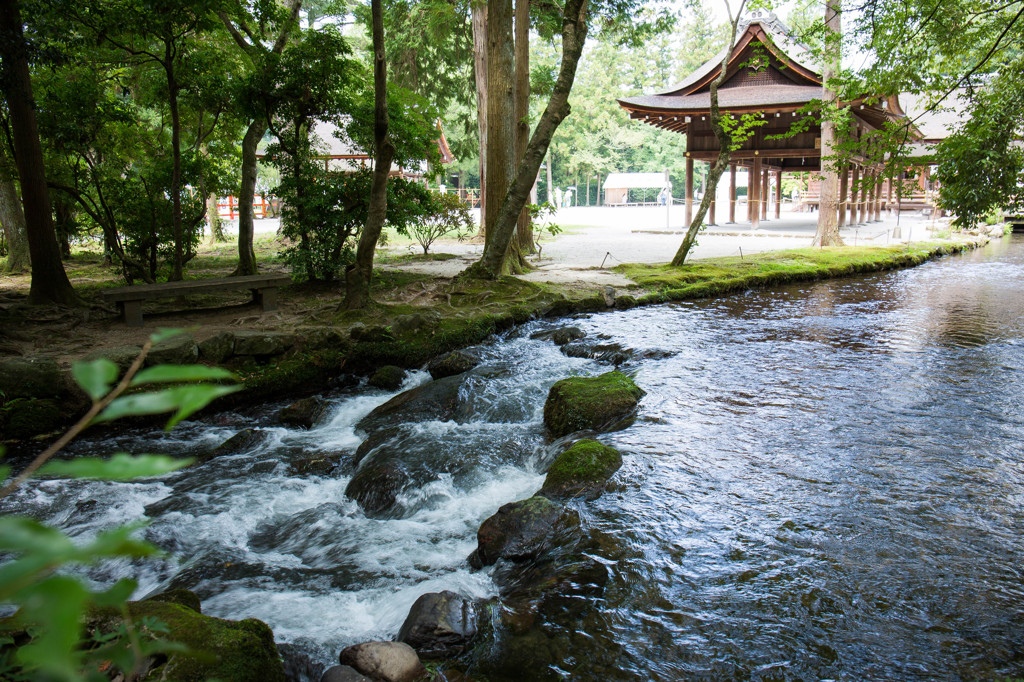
(388,377)
(435,400)
(439,624)
(582,470)
(523,530)
(385,661)
(226,650)
(377,485)
(603,403)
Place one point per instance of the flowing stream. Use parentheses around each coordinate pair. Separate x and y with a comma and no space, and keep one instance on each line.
(825,481)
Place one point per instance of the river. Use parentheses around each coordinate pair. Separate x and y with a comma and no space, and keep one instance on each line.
(825,481)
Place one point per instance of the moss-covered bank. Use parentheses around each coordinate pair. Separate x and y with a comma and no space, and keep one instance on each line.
(445,315)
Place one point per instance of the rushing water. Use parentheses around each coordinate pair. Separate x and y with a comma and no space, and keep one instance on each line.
(825,482)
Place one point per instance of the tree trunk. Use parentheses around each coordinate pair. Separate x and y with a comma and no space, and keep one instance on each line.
(523,243)
(49,281)
(500,111)
(357,278)
(13,219)
(480,73)
(214,220)
(827,233)
(493,262)
(722,163)
(178,264)
(246,195)
(548,196)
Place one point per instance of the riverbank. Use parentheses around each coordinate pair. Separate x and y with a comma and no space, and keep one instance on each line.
(308,345)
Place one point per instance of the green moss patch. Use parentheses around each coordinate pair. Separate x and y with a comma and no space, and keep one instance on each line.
(718,276)
(602,403)
(582,469)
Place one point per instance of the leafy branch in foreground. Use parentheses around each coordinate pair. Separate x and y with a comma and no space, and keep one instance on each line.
(53,604)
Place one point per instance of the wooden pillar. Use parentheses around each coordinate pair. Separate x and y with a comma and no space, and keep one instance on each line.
(778,195)
(765,193)
(844,187)
(711,209)
(853,195)
(755,185)
(689,191)
(862,197)
(732,192)
(878,197)
(889,201)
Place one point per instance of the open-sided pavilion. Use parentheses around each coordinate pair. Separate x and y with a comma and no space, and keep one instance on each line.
(769,74)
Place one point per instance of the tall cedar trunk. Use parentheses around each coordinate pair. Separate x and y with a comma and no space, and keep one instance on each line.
(500,111)
(480,73)
(178,265)
(357,278)
(722,162)
(523,243)
(493,262)
(827,233)
(246,195)
(49,281)
(13,219)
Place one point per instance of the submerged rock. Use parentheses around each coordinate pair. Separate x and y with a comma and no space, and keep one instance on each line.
(611,353)
(385,661)
(343,673)
(583,469)
(603,403)
(439,624)
(226,650)
(316,465)
(303,413)
(560,336)
(377,485)
(388,377)
(522,530)
(243,441)
(453,363)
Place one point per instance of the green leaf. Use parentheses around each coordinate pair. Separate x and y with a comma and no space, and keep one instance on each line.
(57,604)
(95,377)
(5,471)
(184,399)
(180,373)
(19,534)
(164,334)
(120,467)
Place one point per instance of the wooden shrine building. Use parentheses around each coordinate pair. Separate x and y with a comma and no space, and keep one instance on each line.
(768,74)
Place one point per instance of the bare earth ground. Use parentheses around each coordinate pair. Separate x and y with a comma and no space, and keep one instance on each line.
(594,241)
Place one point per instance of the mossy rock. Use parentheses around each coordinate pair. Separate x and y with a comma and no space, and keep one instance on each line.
(388,377)
(225,650)
(603,403)
(625,302)
(30,378)
(522,530)
(186,598)
(583,469)
(25,418)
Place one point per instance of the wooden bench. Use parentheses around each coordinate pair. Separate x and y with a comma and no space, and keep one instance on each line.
(129,299)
